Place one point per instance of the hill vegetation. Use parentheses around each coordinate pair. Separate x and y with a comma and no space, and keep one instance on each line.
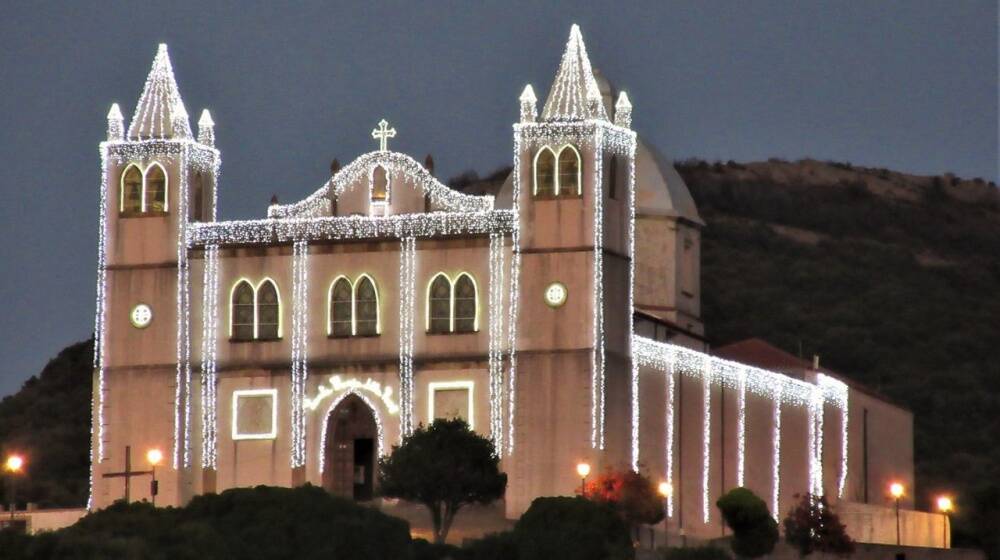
(891,278)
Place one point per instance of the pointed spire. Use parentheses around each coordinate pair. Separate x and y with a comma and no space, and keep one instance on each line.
(623,111)
(160,112)
(206,128)
(529,108)
(116,124)
(574,89)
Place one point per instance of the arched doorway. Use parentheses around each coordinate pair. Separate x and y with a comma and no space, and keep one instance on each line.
(350,453)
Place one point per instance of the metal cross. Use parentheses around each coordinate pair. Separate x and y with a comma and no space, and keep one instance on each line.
(383,133)
(128,473)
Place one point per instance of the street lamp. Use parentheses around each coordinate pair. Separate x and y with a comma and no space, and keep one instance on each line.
(13,465)
(154,456)
(666,490)
(945,505)
(583,469)
(897,490)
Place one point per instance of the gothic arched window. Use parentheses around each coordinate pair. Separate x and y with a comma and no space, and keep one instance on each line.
(380,184)
(439,304)
(341,314)
(365,307)
(545,172)
(268,311)
(465,304)
(241,312)
(131,190)
(156,189)
(569,171)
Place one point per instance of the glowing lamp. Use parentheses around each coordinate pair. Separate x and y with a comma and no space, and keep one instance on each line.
(154,456)
(665,489)
(944,504)
(14,463)
(896,489)
(583,469)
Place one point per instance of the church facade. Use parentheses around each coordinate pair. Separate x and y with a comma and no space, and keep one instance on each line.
(561,318)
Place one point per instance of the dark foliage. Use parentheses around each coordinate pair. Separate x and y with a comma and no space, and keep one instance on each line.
(48,422)
(425,550)
(247,523)
(755,532)
(630,493)
(572,528)
(897,292)
(444,467)
(499,546)
(696,553)
(812,526)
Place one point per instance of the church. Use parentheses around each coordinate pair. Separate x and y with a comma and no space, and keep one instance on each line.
(559,317)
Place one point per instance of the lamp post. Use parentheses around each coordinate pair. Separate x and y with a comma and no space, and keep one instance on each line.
(897,490)
(154,456)
(13,465)
(945,505)
(583,469)
(666,490)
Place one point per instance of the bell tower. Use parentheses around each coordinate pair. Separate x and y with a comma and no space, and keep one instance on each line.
(157,180)
(573,192)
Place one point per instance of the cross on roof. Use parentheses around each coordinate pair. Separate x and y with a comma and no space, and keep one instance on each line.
(383,133)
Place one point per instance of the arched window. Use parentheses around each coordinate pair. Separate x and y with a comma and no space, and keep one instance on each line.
(131,191)
(569,171)
(268,311)
(341,315)
(465,304)
(380,185)
(241,311)
(439,305)
(156,189)
(545,172)
(365,307)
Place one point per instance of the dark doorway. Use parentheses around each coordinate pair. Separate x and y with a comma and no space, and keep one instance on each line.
(349,460)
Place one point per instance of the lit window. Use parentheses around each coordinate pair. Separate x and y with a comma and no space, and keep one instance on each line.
(465,304)
(241,314)
(380,185)
(545,172)
(156,189)
(340,308)
(268,311)
(569,171)
(131,191)
(366,307)
(439,304)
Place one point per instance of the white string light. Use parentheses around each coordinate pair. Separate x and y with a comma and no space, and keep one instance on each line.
(598,352)
(300,372)
(407,311)
(776,458)
(515,301)
(671,380)
(496,312)
(209,349)
(741,427)
(706,438)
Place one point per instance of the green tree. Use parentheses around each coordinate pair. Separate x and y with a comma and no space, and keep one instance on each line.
(572,528)
(813,526)
(445,467)
(755,532)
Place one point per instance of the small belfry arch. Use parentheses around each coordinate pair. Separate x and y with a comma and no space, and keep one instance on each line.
(557,172)
(143,190)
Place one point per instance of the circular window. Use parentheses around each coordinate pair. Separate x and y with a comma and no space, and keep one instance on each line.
(141,316)
(555,294)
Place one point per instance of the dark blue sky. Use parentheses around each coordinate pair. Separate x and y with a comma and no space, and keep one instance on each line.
(909,85)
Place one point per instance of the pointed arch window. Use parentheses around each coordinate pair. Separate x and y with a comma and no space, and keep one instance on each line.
(545,172)
(452,306)
(131,191)
(242,311)
(268,311)
(354,307)
(380,185)
(341,312)
(143,191)
(569,171)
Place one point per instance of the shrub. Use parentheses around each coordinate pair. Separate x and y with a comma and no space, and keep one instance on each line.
(572,528)
(813,526)
(498,546)
(426,550)
(754,530)
(631,494)
(695,553)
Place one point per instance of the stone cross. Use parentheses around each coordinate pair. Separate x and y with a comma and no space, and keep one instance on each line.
(383,133)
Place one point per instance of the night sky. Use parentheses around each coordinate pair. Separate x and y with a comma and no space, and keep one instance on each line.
(908,85)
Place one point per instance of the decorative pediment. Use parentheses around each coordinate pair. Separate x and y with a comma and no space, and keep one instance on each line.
(402,172)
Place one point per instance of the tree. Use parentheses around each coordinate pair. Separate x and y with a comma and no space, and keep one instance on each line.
(812,525)
(572,528)
(631,494)
(755,532)
(445,467)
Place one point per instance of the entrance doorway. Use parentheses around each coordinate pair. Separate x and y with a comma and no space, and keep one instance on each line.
(349,456)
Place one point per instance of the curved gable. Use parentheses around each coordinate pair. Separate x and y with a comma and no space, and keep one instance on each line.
(411,189)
